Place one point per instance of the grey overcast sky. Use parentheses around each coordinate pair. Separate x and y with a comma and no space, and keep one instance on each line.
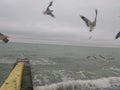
(23,21)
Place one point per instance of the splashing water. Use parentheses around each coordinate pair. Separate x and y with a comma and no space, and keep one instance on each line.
(111,83)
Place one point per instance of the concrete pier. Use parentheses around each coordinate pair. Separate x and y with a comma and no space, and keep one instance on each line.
(27,77)
(20,77)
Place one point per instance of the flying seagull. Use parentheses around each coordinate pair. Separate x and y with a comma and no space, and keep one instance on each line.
(118,35)
(4,38)
(90,24)
(48,11)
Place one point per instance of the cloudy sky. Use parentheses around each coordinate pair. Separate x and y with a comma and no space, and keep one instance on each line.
(23,21)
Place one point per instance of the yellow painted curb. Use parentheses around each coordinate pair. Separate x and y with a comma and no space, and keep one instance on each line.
(13,82)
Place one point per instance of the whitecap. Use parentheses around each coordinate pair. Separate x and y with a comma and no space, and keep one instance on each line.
(111,83)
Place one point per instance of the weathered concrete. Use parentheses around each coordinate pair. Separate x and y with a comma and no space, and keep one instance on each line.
(20,78)
(27,77)
(13,81)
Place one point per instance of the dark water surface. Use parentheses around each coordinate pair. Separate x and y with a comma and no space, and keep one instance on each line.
(65,67)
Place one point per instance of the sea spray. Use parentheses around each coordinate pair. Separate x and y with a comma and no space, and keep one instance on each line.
(111,83)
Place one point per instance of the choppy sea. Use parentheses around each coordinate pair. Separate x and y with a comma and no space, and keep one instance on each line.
(65,67)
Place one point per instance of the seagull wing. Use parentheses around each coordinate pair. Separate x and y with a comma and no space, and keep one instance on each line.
(50,5)
(4,38)
(52,15)
(117,36)
(1,36)
(94,22)
(87,21)
(96,11)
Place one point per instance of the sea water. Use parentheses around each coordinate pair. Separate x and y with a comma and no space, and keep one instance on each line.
(65,67)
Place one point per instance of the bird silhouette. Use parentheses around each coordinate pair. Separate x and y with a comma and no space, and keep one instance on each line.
(48,11)
(4,38)
(118,35)
(90,24)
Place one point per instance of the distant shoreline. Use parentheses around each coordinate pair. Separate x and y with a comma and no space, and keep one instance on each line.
(72,44)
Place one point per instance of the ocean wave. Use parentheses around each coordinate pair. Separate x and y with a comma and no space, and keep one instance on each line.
(106,58)
(115,69)
(110,83)
(47,77)
(42,61)
(55,76)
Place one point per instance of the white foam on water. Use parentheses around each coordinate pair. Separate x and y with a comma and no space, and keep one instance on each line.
(47,77)
(99,84)
(82,74)
(114,68)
